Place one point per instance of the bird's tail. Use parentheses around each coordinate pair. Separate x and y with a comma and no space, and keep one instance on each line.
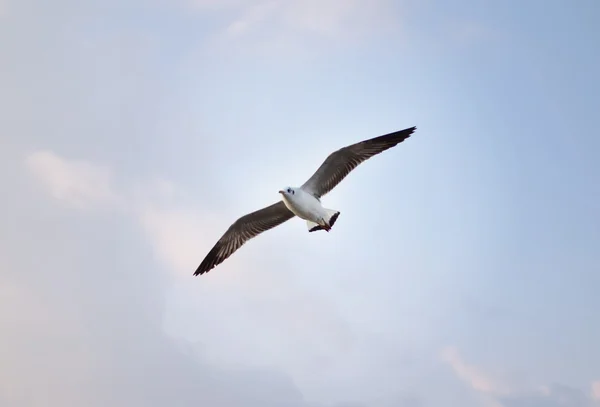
(331,216)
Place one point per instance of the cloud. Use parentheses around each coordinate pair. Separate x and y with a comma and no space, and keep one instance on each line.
(293,26)
(89,329)
(326,18)
(555,395)
(495,393)
(596,390)
(179,236)
(219,4)
(175,236)
(75,183)
(77,347)
(81,184)
(470,374)
(174,233)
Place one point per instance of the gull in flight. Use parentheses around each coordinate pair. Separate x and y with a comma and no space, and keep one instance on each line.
(304,202)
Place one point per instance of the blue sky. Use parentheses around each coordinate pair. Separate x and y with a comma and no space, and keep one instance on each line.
(463,269)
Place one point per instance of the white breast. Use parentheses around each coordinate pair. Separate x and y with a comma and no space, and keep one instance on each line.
(304,205)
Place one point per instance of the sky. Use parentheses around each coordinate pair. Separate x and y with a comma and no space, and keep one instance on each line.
(463,269)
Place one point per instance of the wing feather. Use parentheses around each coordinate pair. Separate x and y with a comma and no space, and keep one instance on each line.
(242,230)
(339,163)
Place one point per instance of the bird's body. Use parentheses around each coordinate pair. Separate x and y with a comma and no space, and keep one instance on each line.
(308,207)
(303,202)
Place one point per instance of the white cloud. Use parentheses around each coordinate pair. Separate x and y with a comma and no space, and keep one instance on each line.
(176,236)
(496,393)
(293,25)
(596,390)
(180,237)
(334,17)
(470,374)
(27,314)
(175,233)
(84,185)
(253,17)
(219,4)
(340,18)
(74,182)
(64,344)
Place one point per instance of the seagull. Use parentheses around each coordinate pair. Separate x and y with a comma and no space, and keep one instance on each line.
(304,202)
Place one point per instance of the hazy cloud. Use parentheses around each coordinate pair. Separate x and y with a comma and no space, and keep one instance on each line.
(133,134)
(472,375)
(596,390)
(73,182)
(96,350)
(548,396)
(300,27)
(178,238)
(498,394)
(88,329)
(328,18)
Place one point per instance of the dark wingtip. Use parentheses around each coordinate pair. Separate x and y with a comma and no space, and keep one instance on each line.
(406,133)
(207,265)
(203,269)
(334,218)
(200,271)
(315,228)
(210,261)
(393,138)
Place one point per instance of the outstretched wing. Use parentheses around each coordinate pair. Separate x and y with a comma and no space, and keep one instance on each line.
(339,163)
(242,230)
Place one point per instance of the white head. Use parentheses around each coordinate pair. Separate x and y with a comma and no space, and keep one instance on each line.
(288,191)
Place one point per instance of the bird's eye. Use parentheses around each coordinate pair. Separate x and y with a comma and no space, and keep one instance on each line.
(289,190)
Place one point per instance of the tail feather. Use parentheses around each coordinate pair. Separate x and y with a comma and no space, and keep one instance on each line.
(330,218)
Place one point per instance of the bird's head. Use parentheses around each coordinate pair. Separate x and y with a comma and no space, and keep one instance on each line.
(287,191)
